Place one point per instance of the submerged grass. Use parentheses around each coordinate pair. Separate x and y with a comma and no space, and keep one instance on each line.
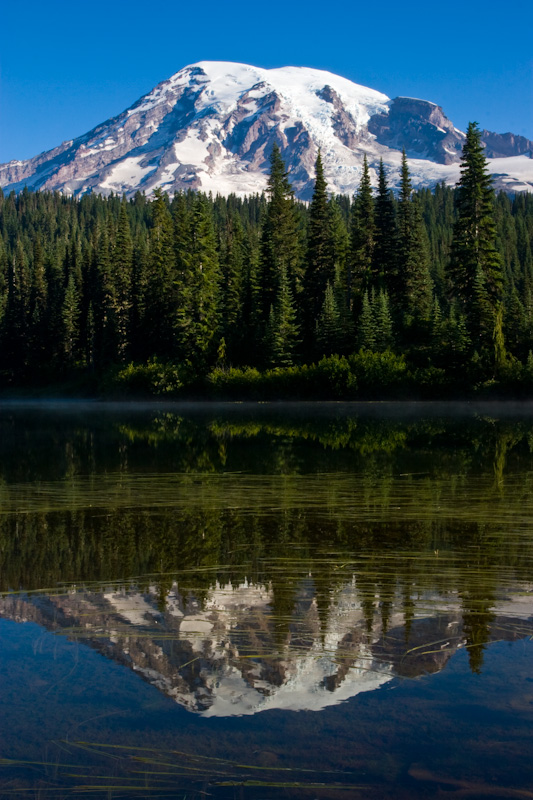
(198,774)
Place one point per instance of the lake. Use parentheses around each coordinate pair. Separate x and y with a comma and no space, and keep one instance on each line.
(266,600)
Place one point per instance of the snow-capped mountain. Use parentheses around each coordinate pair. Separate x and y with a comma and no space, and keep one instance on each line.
(211,126)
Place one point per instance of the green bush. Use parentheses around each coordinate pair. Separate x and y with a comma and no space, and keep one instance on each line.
(153,378)
(330,379)
(379,374)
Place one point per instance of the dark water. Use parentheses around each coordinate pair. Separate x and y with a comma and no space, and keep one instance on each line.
(313,601)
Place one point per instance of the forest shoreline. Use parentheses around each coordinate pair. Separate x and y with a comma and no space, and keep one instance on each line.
(102,389)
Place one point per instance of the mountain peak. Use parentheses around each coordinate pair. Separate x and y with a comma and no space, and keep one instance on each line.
(212,125)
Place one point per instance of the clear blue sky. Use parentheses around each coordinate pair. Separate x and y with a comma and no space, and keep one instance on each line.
(67,66)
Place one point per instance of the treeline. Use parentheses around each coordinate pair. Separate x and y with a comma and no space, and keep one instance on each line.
(433,288)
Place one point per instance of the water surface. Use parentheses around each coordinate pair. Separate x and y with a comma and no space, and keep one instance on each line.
(322,600)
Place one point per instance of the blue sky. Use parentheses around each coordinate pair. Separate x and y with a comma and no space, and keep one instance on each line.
(67,66)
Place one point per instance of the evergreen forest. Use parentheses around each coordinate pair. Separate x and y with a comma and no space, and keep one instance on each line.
(420,293)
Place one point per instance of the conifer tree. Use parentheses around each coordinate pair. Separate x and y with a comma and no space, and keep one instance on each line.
(70,319)
(413,256)
(15,345)
(320,247)
(385,256)
(122,263)
(38,307)
(383,322)
(366,329)
(139,288)
(346,329)
(251,319)
(160,297)
(282,330)
(363,237)
(280,237)
(3,280)
(328,324)
(105,303)
(232,267)
(514,320)
(475,263)
(198,318)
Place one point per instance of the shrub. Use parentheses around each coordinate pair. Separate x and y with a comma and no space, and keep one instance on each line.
(153,378)
(378,373)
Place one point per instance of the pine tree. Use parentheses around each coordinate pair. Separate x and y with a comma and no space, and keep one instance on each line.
(38,308)
(251,320)
(280,237)
(328,324)
(320,247)
(3,280)
(282,330)
(139,287)
(341,242)
(385,256)
(160,296)
(232,259)
(346,329)
(475,263)
(198,320)
(514,320)
(366,329)
(106,336)
(122,264)
(415,282)
(383,322)
(363,237)
(70,318)
(16,319)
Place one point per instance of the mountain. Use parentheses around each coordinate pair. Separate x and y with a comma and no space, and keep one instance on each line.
(211,126)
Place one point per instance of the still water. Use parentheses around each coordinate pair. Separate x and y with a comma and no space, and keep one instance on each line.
(264,601)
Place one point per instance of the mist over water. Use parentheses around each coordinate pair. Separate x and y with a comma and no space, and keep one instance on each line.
(301,600)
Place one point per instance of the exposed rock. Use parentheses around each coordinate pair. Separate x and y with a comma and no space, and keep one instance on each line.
(505,145)
(420,128)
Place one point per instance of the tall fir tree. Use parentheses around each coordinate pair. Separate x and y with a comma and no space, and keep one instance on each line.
(366,325)
(320,268)
(282,333)
(475,270)
(70,318)
(383,322)
(415,282)
(328,325)
(104,307)
(385,253)
(232,259)
(363,238)
(160,296)
(38,310)
(251,319)
(198,315)
(122,265)
(281,248)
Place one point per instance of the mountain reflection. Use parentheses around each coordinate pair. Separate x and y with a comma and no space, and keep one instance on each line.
(249,561)
(232,654)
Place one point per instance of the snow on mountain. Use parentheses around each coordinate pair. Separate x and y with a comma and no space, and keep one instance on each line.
(212,125)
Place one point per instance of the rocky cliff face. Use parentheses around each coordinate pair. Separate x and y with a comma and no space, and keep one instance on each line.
(506,145)
(212,126)
(420,128)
